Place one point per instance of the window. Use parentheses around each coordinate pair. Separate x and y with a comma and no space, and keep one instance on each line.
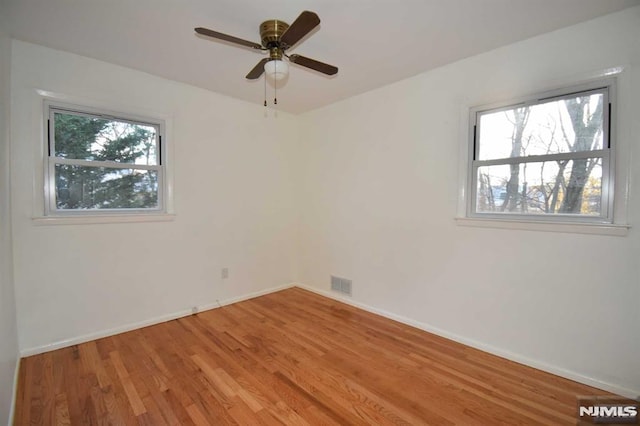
(547,158)
(101,163)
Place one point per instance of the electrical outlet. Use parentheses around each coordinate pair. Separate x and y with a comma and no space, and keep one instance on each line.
(224,273)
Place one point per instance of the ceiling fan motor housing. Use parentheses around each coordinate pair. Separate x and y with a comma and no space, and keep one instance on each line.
(270,32)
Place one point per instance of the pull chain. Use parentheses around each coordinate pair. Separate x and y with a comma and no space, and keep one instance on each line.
(275,85)
(265,89)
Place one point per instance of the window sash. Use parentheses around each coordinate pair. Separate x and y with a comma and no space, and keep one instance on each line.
(554,96)
(606,154)
(605,206)
(52,204)
(52,160)
(67,111)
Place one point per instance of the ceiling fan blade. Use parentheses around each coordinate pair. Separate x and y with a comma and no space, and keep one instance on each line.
(303,24)
(257,71)
(313,64)
(226,37)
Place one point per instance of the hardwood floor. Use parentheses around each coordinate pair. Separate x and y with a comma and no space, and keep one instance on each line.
(290,357)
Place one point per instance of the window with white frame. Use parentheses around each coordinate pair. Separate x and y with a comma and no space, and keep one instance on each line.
(102,163)
(544,158)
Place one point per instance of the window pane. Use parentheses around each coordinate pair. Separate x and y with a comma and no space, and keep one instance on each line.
(93,138)
(566,187)
(571,124)
(81,187)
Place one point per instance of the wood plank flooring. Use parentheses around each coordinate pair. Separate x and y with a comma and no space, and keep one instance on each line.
(290,357)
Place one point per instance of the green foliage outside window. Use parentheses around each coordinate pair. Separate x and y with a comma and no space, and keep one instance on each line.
(103,163)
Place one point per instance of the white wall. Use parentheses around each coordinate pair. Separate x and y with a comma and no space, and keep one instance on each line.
(381,193)
(8,331)
(233,167)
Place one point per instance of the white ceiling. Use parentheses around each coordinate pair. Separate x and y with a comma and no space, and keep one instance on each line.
(373,42)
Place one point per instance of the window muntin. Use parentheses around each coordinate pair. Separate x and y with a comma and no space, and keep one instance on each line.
(547,158)
(102,163)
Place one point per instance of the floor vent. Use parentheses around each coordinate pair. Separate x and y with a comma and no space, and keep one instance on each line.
(341,285)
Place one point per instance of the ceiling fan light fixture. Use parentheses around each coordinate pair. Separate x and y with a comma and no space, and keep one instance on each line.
(276,69)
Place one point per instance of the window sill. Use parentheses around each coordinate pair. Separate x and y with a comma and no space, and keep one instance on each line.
(575,228)
(96,219)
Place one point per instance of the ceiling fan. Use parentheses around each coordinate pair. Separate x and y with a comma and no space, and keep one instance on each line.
(277,37)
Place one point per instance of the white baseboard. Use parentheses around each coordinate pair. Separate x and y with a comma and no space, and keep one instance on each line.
(558,371)
(14,393)
(244,297)
(134,326)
